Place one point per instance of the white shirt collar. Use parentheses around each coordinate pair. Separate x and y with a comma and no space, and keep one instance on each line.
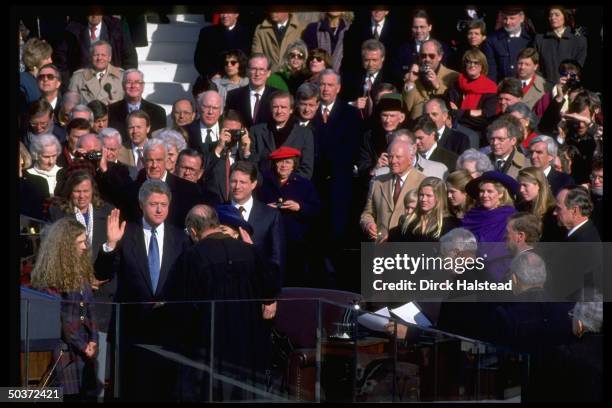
(248,206)
(440,132)
(547,170)
(231,28)
(98,30)
(517,35)
(576,227)
(329,107)
(260,91)
(373,75)
(163,177)
(283,24)
(133,106)
(380,24)
(431,150)
(215,131)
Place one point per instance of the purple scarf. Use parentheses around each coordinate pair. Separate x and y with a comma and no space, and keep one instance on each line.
(488,225)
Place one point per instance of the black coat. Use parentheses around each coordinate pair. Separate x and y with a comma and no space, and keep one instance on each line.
(446,157)
(73,51)
(396,234)
(354,80)
(239,100)
(118,112)
(336,144)
(454,141)
(33,191)
(557,180)
(221,268)
(502,52)
(586,233)
(553,50)
(263,143)
(215,39)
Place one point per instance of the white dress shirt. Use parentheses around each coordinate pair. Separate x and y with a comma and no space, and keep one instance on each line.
(133,107)
(431,150)
(403,178)
(378,26)
(98,31)
(328,107)
(547,170)
(160,238)
(253,99)
(248,206)
(214,134)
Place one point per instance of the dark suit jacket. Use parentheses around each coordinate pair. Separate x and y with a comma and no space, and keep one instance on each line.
(33,191)
(586,233)
(361,30)
(502,52)
(239,100)
(73,51)
(118,111)
(215,39)
(263,143)
(129,263)
(445,157)
(454,140)
(268,234)
(558,180)
(354,80)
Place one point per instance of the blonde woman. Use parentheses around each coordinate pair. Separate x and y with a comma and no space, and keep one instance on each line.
(537,198)
(63,268)
(431,219)
(459,202)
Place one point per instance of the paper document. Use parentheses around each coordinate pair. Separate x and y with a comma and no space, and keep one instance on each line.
(410,313)
(375,321)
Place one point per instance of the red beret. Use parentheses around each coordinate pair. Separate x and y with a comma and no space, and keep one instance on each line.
(284,152)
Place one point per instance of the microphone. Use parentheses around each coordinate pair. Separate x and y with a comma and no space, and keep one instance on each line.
(366,88)
(108,87)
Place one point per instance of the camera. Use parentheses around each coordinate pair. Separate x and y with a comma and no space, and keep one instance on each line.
(93,156)
(279,202)
(236,134)
(424,68)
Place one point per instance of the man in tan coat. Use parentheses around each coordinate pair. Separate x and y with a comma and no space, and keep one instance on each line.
(503,135)
(434,78)
(385,202)
(274,35)
(102,81)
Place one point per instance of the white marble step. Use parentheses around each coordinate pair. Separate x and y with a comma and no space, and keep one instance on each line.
(166,93)
(175,51)
(174,31)
(160,71)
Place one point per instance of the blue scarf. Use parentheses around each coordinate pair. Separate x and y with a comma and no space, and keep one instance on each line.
(488,225)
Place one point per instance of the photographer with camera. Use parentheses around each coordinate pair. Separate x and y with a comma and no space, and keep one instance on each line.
(87,155)
(434,78)
(234,142)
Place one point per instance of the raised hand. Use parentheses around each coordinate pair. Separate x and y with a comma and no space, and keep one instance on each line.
(114,229)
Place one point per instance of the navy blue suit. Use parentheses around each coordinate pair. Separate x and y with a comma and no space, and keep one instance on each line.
(336,146)
(118,112)
(268,234)
(502,52)
(144,375)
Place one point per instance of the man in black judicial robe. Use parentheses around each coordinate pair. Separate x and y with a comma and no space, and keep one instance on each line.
(219,267)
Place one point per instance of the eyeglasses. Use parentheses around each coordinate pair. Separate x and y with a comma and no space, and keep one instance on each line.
(188,169)
(297,55)
(596,177)
(231,62)
(430,56)
(471,62)
(40,124)
(48,77)
(133,83)
(317,59)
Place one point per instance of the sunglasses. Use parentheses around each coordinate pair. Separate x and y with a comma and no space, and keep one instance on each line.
(471,62)
(231,62)
(317,59)
(298,55)
(48,77)
(430,56)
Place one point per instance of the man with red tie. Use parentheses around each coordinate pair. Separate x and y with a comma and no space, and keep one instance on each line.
(534,86)
(385,202)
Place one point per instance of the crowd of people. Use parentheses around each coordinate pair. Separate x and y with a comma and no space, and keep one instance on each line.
(305,137)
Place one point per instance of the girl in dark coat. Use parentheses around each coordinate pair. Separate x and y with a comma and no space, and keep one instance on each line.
(298,202)
(63,268)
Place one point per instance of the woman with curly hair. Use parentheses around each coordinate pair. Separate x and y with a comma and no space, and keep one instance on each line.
(234,73)
(80,200)
(64,269)
(431,218)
